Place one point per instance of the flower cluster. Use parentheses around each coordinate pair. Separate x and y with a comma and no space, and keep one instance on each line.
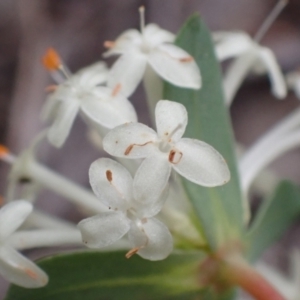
(134,203)
(128,213)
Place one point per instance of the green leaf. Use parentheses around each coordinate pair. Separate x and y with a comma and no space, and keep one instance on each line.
(95,275)
(219,209)
(274,217)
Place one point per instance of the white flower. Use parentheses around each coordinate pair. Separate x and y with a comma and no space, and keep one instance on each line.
(14,266)
(251,56)
(166,149)
(150,46)
(82,92)
(130,214)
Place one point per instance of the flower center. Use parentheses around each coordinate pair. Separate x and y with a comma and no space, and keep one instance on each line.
(131,214)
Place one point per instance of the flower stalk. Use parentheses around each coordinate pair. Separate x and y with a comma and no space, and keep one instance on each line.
(238,272)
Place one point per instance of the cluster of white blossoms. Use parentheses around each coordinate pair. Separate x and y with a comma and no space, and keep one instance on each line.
(126,214)
(100,94)
(125,211)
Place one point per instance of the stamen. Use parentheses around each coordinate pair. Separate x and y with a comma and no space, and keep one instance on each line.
(130,147)
(186,59)
(5,155)
(116,90)
(109,175)
(142,18)
(109,44)
(281,4)
(172,155)
(51,88)
(51,60)
(3,151)
(132,252)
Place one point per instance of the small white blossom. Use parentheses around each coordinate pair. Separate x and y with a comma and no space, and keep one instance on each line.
(152,46)
(250,57)
(83,92)
(166,149)
(14,266)
(130,214)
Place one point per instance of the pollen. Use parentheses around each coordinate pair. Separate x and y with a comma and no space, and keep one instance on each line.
(3,151)
(51,60)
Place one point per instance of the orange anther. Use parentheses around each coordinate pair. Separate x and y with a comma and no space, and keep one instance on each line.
(109,44)
(3,151)
(51,60)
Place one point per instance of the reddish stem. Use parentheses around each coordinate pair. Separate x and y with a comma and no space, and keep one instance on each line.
(238,272)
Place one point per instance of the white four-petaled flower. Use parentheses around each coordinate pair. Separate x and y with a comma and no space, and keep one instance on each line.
(113,184)
(14,266)
(82,91)
(152,46)
(195,160)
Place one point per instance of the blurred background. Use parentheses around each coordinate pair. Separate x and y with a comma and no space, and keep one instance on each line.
(77,29)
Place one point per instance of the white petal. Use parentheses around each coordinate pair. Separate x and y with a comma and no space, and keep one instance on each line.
(132,140)
(12,215)
(154,35)
(107,110)
(171,120)
(151,208)
(151,178)
(62,125)
(128,40)
(104,229)
(50,109)
(233,45)
(176,66)
(19,270)
(92,75)
(201,163)
(153,237)
(268,59)
(127,72)
(111,182)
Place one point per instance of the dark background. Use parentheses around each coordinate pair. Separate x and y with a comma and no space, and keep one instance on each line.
(78,28)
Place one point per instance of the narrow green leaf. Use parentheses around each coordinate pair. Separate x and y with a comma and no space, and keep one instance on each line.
(274,217)
(219,209)
(95,275)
